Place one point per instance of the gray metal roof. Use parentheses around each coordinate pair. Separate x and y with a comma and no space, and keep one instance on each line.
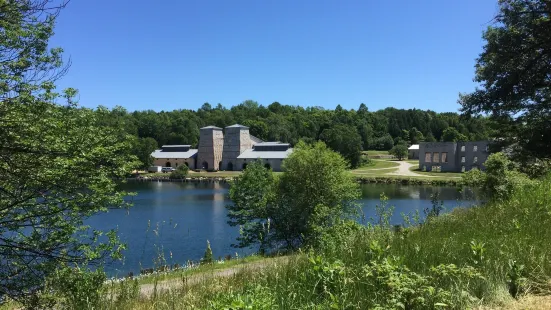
(271,143)
(172,155)
(252,154)
(237,126)
(255,139)
(211,127)
(173,145)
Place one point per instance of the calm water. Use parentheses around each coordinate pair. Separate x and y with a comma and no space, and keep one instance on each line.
(177,219)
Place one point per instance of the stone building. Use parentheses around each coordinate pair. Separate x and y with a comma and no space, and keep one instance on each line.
(230,150)
(413,151)
(236,140)
(174,156)
(211,143)
(453,156)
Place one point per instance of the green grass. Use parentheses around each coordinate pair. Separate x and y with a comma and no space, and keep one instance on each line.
(437,174)
(376,165)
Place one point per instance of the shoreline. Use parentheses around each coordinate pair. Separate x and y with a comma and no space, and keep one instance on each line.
(404,180)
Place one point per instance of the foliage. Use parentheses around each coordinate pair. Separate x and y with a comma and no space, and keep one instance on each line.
(180,172)
(207,257)
(77,288)
(346,141)
(58,163)
(286,123)
(142,148)
(384,143)
(499,180)
(252,193)
(513,71)
(400,151)
(451,134)
(313,192)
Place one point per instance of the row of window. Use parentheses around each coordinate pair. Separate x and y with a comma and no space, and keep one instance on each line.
(475,148)
(435,157)
(443,158)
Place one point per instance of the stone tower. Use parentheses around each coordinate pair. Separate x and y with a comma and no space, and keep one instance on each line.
(236,140)
(211,142)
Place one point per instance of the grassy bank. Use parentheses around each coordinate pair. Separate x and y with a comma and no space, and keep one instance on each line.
(474,257)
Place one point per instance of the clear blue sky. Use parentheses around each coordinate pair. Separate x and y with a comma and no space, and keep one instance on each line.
(173,54)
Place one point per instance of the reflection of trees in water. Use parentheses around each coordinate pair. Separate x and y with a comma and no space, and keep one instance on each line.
(398,191)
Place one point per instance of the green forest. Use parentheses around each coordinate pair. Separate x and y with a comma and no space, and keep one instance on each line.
(346,131)
(378,130)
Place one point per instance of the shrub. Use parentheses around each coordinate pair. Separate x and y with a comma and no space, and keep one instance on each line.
(207,257)
(180,172)
(77,288)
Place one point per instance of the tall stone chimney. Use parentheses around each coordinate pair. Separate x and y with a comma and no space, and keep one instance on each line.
(211,143)
(236,140)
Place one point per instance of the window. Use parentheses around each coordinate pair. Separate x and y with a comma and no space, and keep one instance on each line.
(462,159)
(487,148)
(475,160)
(462,148)
(475,148)
(462,168)
(436,157)
(444,157)
(427,157)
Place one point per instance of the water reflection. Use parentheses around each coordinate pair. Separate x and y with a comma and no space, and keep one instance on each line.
(175,220)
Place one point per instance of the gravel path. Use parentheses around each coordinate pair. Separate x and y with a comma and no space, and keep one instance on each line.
(167,285)
(403,170)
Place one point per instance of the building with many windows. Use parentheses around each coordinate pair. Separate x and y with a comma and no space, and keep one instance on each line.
(453,156)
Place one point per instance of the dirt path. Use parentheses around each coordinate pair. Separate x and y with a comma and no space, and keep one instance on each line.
(403,170)
(167,285)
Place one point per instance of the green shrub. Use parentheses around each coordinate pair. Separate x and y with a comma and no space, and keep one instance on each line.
(500,179)
(76,288)
(207,257)
(180,172)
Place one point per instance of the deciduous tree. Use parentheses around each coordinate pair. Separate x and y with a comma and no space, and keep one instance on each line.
(58,163)
(514,72)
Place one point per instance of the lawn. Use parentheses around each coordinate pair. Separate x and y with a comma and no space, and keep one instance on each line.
(437,174)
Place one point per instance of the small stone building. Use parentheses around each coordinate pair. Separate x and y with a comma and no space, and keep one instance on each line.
(272,154)
(453,156)
(413,151)
(174,156)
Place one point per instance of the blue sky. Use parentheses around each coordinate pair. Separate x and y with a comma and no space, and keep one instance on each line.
(166,55)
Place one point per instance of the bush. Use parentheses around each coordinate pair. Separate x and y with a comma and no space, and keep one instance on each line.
(207,257)
(76,288)
(500,179)
(180,172)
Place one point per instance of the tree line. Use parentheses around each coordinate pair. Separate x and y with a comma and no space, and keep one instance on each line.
(346,131)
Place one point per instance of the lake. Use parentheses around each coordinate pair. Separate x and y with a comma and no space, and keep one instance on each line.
(177,219)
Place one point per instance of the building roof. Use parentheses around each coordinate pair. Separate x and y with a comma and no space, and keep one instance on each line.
(172,155)
(175,145)
(211,127)
(252,154)
(237,126)
(414,147)
(255,139)
(272,143)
